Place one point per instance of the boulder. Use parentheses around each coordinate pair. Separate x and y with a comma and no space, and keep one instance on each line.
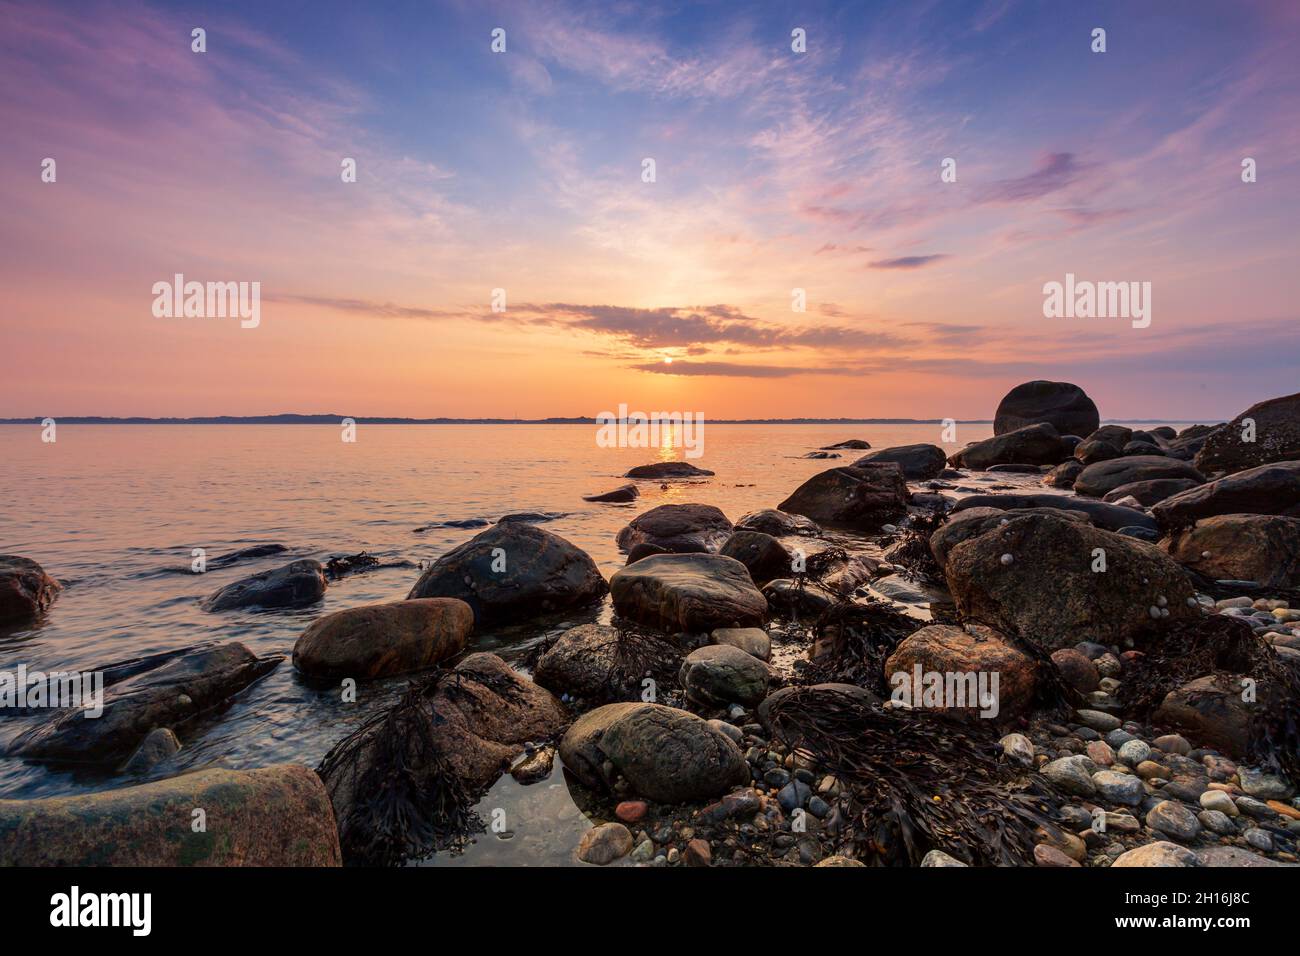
(1211,711)
(1272,489)
(1076,669)
(1276,438)
(1034,577)
(777,523)
(688,592)
(1092,450)
(680,529)
(169,695)
(1241,547)
(1111,517)
(668,469)
(1147,493)
(379,640)
(294,585)
(275,816)
(1064,406)
(973,522)
(25,589)
(1105,476)
(764,556)
(1160,853)
(618,495)
(513,572)
(1143,448)
(718,674)
(967,654)
(856,444)
(664,754)
(1189,441)
(1031,445)
(594,662)
(917,462)
(751,640)
(158,746)
(861,497)
(1064,474)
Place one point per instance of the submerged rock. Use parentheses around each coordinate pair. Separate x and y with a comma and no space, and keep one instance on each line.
(777,523)
(862,497)
(294,585)
(688,592)
(664,754)
(764,556)
(158,746)
(668,469)
(25,589)
(380,640)
(1038,577)
(275,816)
(680,529)
(853,443)
(917,462)
(167,696)
(512,572)
(618,495)
(1063,405)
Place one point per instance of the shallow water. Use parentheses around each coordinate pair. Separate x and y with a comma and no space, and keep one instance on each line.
(113,510)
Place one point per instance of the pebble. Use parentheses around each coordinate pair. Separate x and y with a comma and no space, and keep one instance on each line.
(1219,801)
(1118,787)
(1134,752)
(1098,720)
(1018,748)
(1045,855)
(794,795)
(698,853)
(605,844)
(1254,808)
(1258,839)
(1174,820)
(939,858)
(1101,753)
(1216,822)
(631,811)
(1071,774)
(1173,744)
(1264,786)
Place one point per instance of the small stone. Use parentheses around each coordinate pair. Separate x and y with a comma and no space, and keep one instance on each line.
(1173,744)
(1045,855)
(1071,774)
(1118,787)
(1098,720)
(1174,820)
(605,844)
(1219,801)
(1018,748)
(644,851)
(794,795)
(698,853)
(1133,752)
(1258,839)
(1264,786)
(1101,753)
(1216,822)
(631,811)
(1161,853)
(939,858)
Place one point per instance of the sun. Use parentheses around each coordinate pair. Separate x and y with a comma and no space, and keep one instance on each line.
(668,360)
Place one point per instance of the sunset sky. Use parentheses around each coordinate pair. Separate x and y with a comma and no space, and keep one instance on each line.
(523,171)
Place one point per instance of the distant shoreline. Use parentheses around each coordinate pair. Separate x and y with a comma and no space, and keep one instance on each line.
(366,420)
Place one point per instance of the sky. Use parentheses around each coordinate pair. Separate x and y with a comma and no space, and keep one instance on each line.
(524,171)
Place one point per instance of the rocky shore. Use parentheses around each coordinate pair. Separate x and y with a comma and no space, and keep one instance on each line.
(896,665)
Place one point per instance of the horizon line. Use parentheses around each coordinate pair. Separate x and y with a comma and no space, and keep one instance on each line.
(298,418)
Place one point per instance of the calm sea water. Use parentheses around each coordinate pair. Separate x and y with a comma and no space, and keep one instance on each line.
(111,510)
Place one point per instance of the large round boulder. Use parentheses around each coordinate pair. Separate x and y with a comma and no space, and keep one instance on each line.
(1105,476)
(1272,489)
(379,640)
(718,674)
(1261,548)
(1031,445)
(1263,433)
(25,589)
(688,592)
(512,572)
(663,753)
(294,585)
(274,816)
(861,497)
(1065,407)
(1057,582)
(918,462)
(971,671)
(680,529)
(973,522)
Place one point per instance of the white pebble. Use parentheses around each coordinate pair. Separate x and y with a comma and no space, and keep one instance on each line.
(1154,611)
(1007,559)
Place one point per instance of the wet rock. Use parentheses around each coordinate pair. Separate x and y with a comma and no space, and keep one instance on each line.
(619,495)
(513,572)
(939,858)
(535,766)
(1272,489)
(631,811)
(846,861)
(719,674)
(1093,450)
(275,816)
(1114,787)
(1064,474)
(1173,744)
(917,462)
(969,523)
(698,853)
(680,529)
(1018,748)
(1045,855)
(592,663)
(379,640)
(752,640)
(1109,517)
(668,469)
(1049,593)
(294,585)
(769,710)
(1073,775)
(852,443)
(1103,477)
(1148,493)
(158,746)
(1061,404)
(25,589)
(1264,786)
(1211,710)
(665,754)
(605,844)
(688,592)
(862,497)
(1276,438)
(764,556)
(1160,853)
(169,695)
(966,653)
(1031,445)
(1241,547)
(1076,669)
(777,523)
(1174,820)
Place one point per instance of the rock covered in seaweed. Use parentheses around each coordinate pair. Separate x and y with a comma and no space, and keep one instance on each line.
(25,589)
